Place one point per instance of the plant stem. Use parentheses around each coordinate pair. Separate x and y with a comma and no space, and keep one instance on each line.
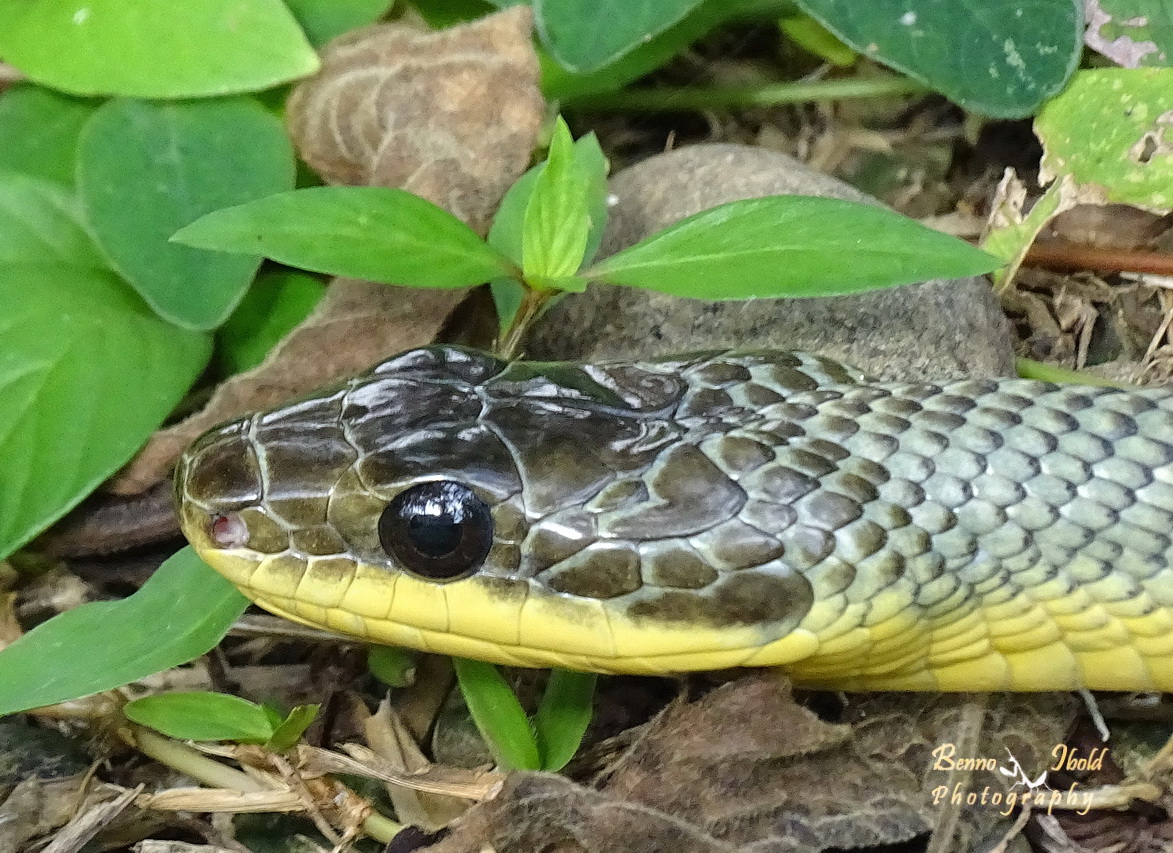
(190,762)
(531,306)
(214,774)
(724,97)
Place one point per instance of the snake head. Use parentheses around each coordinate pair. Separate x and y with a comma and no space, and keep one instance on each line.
(534,514)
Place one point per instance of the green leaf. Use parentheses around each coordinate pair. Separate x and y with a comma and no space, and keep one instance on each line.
(814,38)
(563,716)
(180,613)
(277,301)
(40,223)
(1030,369)
(155,48)
(322,20)
(789,246)
(39,130)
(557,221)
(444,13)
(1110,128)
(1001,59)
(1132,33)
(584,35)
(88,373)
(147,169)
(200,715)
(560,84)
(590,163)
(498,715)
(392,665)
(292,728)
(374,233)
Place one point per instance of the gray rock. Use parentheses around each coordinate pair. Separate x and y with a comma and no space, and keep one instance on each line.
(935,330)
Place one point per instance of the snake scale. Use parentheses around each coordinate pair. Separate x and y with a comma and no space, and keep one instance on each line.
(712,510)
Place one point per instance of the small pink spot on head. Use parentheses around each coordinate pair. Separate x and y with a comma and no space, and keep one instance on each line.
(229,531)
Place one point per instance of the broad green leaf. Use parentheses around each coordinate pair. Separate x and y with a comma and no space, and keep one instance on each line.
(789,246)
(200,715)
(498,715)
(289,732)
(1110,129)
(155,48)
(39,130)
(563,716)
(40,223)
(147,169)
(322,20)
(584,35)
(509,221)
(560,84)
(180,613)
(1001,59)
(277,301)
(88,372)
(374,233)
(1132,33)
(557,219)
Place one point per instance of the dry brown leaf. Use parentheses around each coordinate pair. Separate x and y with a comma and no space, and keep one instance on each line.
(357,324)
(390,739)
(746,767)
(452,116)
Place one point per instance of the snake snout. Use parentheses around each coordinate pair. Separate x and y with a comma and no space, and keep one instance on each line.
(216,478)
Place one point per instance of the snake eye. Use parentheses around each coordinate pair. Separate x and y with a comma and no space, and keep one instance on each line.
(439,530)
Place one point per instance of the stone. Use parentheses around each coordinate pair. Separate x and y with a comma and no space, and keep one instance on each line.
(935,330)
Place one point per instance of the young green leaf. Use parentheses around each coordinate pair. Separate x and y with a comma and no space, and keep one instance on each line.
(180,613)
(88,373)
(498,715)
(557,220)
(289,732)
(155,48)
(789,246)
(393,666)
(200,715)
(374,233)
(39,129)
(276,302)
(40,223)
(147,169)
(563,716)
(509,223)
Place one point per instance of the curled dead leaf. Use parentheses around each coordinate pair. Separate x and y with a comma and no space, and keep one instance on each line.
(451,116)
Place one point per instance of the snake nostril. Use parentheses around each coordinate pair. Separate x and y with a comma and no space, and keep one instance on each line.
(228,530)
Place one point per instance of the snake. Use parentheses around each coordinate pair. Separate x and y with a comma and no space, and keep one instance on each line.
(709,511)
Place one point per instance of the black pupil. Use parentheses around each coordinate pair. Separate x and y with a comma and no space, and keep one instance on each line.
(435,536)
(439,530)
